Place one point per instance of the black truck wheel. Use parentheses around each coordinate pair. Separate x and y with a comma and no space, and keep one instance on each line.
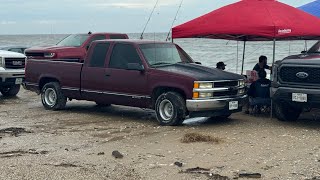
(10,91)
(52,97)
(285,112)
(170,109)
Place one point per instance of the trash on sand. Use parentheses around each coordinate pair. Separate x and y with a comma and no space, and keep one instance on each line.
(205,171)
(250,175)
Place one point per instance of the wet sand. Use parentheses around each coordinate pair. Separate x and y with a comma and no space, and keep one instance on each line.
(77,143)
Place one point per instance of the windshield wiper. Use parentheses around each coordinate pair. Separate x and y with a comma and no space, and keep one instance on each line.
(161,63)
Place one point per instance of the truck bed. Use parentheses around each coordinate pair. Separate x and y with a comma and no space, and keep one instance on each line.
(68,74)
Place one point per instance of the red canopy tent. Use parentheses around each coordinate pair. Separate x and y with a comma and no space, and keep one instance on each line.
(252,20)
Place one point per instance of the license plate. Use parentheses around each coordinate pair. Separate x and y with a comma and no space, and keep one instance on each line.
(233,105)
(299,97)
(18,81)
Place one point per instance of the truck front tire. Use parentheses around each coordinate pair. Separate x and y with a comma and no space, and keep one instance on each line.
(52,97)
(285,112)
(10,91)
(170,109)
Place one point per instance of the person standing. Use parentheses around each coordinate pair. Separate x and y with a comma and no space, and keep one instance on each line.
(221,65)
(262,65)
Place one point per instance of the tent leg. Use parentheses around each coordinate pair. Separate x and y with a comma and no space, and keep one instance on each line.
(244,50)
(237,57)
(273,59)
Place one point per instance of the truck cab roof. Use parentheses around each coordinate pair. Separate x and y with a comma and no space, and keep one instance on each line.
(134,41)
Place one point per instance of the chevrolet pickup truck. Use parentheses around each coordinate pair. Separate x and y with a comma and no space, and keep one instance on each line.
(11,72)
(74,47)
(295,85)
(145,74)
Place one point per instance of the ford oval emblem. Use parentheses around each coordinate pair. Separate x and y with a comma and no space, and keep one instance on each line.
(302,75)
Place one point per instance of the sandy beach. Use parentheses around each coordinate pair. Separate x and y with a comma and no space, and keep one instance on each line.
(78,143)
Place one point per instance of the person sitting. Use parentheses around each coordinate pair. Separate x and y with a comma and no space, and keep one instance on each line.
(221,65)
(262,65)
(259,91)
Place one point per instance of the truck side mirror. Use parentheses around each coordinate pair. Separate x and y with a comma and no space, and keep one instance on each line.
(87,47)
(198,63)
(135,67)
(303,52)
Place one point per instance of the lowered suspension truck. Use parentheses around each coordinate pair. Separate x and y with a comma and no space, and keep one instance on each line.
(145,74)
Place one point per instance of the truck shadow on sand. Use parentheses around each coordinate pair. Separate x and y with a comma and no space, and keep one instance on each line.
(3,98)
(132,114)
(308,120)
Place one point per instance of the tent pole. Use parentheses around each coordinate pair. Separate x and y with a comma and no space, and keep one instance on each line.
(237,57)
(274,51)
(273,59)
(244,50)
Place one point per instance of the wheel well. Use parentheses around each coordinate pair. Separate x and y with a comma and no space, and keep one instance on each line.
(159,90)
(46,80)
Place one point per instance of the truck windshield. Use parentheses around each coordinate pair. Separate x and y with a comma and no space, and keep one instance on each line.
(74,40)
(315,48)
(164,54)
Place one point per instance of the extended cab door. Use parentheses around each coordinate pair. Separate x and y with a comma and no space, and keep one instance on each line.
(129,87)
(93,75)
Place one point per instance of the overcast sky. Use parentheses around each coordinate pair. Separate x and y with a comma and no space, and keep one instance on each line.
(128,16)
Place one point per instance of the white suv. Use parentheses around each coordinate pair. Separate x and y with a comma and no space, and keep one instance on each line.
(11,72)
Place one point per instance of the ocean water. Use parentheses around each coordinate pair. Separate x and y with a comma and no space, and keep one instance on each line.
(206,51)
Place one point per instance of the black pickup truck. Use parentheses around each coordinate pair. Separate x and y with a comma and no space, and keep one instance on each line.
(296,84)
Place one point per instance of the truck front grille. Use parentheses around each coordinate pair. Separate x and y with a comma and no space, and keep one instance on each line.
(288,74)
(14,63)
(34,54)
(225,84)
(225,93)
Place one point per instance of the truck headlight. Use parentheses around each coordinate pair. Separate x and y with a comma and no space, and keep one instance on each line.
(273,76)
(1,63)
(200,85)
(241,91)
(202,95)
(205,95)
(49,55)
(241,82)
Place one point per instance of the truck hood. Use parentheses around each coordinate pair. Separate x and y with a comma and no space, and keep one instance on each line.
(313,61)
(304,56)
(11,54)
(51,48)
(199,72)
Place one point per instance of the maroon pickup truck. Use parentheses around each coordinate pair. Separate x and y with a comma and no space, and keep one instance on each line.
(73,47)
(146,74)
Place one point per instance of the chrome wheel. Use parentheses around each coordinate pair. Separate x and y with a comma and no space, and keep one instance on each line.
(166,110)
(50,97)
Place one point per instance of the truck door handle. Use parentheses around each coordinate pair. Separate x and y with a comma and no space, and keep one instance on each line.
(107,75)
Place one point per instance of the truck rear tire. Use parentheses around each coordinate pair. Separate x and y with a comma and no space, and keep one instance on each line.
(52,97)
(170,109)
(285,112)
(10,91)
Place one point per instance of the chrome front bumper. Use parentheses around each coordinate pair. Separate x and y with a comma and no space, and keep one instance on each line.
(212,104)
(11,73)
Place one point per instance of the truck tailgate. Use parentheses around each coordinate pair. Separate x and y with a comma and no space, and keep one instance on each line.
(66,73)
